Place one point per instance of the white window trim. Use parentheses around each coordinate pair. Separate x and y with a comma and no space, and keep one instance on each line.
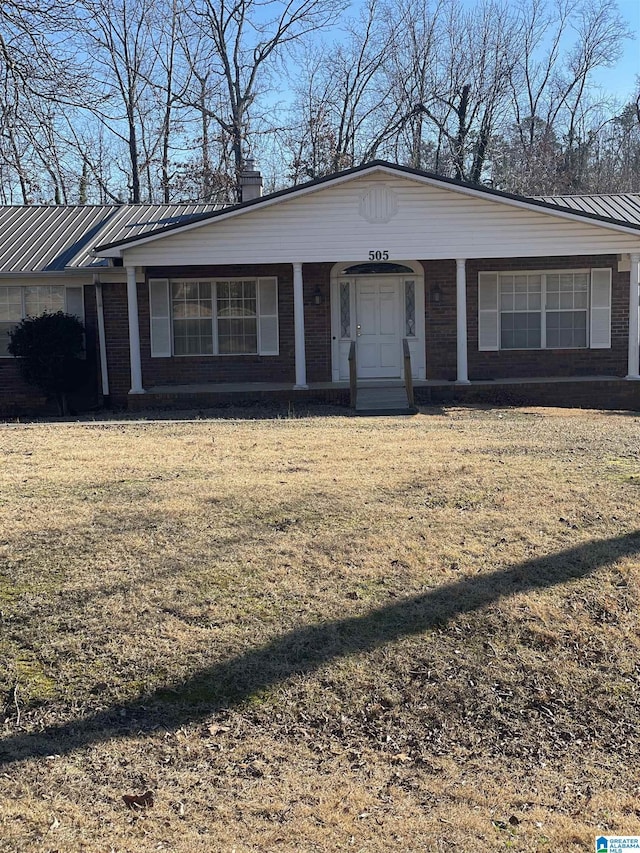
(23,288)
(214,317)
(543,309)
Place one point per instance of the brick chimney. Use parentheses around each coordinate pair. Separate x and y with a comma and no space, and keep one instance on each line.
(250,181)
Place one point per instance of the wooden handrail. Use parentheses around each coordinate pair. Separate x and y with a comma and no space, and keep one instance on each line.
(408,378)
(353,374)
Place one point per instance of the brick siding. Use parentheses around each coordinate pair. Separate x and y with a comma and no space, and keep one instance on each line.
(567,362)
(441,325)
(440,328)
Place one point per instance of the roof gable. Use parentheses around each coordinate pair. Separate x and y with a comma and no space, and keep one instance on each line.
(379,210)
(377,168)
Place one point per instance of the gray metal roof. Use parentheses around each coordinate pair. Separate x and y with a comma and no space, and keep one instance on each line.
(620,206)
(53,238)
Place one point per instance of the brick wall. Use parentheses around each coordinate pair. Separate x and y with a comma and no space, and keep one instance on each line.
(116,329)
(17,398)
(222,368)
(440,319)
(441,325)
(317,321)
(185,370)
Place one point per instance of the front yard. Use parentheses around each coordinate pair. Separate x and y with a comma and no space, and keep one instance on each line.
(321,633)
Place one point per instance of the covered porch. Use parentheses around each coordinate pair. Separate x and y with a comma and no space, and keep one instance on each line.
(432,309)
(605,392)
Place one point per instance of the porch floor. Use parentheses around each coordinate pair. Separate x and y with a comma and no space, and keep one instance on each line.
(261,387)
(590,392)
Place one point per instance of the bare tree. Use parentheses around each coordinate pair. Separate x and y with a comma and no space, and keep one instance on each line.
(552,88)
(247,37)
(346,112)
(121,39)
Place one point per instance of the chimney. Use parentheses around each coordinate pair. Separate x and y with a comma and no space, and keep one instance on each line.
(250,181)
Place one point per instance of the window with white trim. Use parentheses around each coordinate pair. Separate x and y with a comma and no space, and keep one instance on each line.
(18,302)
(214,317)
(556,309)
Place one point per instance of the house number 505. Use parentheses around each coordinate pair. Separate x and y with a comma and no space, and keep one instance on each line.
(379,255)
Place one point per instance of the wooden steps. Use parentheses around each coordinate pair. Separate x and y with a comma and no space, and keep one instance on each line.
(378,399)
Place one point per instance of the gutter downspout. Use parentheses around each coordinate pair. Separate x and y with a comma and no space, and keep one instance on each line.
(102,341)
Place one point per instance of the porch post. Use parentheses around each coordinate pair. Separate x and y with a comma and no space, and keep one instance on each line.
(633,368)
(134,333)
(461,321)
(298,321)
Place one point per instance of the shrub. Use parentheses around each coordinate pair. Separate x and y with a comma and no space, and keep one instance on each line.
(50,349)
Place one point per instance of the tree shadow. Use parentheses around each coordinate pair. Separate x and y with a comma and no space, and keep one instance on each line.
(303,650)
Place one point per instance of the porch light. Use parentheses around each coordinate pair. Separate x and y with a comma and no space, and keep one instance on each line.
(317,295)
(436,293)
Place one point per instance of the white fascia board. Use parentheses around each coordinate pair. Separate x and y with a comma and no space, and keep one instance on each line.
(117,251)
(46,275)
(108,275)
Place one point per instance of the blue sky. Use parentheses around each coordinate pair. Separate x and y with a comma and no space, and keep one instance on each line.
(621,79)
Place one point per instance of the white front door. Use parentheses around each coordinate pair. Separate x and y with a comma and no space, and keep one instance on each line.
(378,353)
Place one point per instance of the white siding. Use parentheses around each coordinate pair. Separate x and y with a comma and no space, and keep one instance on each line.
(431,222)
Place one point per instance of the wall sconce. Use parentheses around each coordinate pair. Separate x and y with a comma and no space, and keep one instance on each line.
(436,294)
(317,295)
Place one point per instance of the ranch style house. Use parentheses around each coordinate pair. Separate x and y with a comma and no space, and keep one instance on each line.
(375,286)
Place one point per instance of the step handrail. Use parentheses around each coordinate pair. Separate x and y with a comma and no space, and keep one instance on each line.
(353,374)
(408,378)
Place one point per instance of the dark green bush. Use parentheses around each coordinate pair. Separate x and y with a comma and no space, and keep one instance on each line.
(50,349)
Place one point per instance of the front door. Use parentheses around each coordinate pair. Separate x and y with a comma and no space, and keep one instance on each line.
(378,328)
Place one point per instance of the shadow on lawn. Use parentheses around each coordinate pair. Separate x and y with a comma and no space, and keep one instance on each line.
(305,649)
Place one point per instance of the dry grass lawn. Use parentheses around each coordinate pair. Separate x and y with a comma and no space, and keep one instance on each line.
(321,633)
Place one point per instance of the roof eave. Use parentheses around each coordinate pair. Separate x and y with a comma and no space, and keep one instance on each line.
(116,250)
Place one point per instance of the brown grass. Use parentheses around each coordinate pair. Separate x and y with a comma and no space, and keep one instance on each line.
(320,633)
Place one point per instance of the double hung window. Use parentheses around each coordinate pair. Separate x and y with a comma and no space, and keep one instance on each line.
(18,302)
(566,309)
(214,317)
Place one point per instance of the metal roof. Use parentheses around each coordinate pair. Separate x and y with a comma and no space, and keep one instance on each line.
(54,238)
(620,206)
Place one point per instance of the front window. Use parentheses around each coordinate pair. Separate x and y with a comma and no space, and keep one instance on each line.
(227,317)
(18,302)
(237,317)
(567,304)
(543,310)
(192,313)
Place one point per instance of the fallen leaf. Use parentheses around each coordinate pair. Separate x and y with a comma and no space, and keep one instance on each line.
(215,729)
(138,801)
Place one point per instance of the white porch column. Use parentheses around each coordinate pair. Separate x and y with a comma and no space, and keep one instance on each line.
(134,333)
(461,321)
(633,368)
(298,321)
